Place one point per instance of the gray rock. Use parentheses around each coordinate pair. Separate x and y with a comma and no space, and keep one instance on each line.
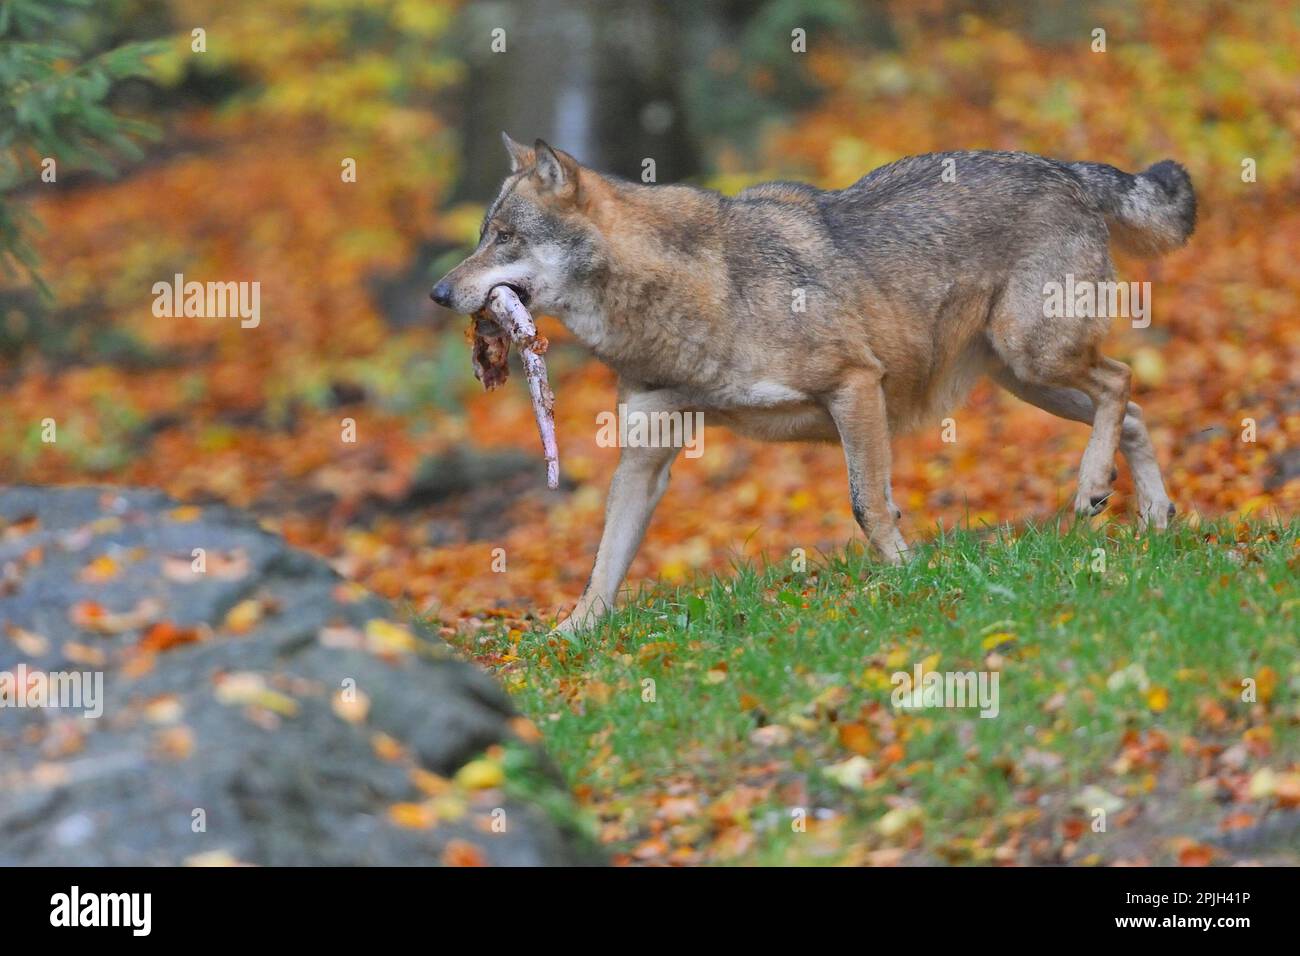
(237,743)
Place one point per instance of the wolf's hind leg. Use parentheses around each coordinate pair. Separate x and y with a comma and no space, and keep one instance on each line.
(1154,507)
(1106,382)
(858,409)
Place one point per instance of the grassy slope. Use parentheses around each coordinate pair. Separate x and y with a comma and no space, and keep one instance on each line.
(1126,679)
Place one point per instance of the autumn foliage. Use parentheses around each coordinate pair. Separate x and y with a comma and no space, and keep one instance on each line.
(250,189)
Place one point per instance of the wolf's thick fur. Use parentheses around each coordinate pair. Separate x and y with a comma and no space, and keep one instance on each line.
(914,282)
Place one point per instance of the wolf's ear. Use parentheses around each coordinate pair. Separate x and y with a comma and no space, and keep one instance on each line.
(556,170)
(521,157)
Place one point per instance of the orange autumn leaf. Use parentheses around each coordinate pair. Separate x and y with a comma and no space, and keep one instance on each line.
(1241,820)
(892,753)
(1195,854)
(462,853)
(165,635)
(87,614)
(412,816)
(387,748)
(856,737)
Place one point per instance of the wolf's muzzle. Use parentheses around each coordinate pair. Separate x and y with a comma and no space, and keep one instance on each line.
(442,294)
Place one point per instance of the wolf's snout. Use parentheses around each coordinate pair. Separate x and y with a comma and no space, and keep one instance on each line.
(442,293)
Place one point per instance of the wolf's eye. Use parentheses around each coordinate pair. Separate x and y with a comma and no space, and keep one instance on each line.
(504,237)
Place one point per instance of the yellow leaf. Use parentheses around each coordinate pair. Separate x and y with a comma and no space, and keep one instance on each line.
(1262,784)
(243,617)
(384,636)
(997,639)
(103,568)
(480,775)
(874,678)
(1266,683)
(448,807)
(1148,366)
(248,687)
(1157,699)
(898,820)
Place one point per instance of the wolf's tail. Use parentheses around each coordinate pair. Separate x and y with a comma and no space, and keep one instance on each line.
(1148,214)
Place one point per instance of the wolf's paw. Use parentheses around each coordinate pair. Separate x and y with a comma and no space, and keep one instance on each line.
(1155,514)
(582,619)
(1090,504)
(891,547)
(569,627)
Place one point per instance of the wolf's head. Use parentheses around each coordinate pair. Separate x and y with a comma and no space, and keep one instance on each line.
(536,238)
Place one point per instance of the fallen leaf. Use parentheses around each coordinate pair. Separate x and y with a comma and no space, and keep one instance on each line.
(165,635)
(898,820)
(852,774)
(94,617)
(29,643)
(412,816)
(244,616)
(462,853)
(856,737)
(480,775)
(352,705)
(101,569)
(1093,797)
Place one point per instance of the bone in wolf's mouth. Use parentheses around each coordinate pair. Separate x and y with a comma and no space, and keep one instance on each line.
(522,293)
(503,320)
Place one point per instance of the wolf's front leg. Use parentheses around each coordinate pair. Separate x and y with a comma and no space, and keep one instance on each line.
(858,409)
(639,482)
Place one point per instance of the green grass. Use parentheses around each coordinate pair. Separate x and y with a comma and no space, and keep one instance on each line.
(1116,677)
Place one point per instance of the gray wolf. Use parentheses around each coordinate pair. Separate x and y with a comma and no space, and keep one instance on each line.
(914,282)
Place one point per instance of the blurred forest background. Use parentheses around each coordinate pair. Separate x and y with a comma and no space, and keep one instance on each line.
(227,168)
